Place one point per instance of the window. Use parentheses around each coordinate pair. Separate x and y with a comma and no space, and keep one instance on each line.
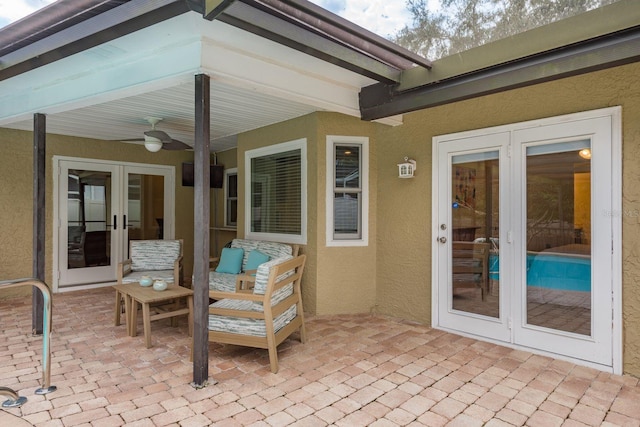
(276,180)
(231,197)
(347,191)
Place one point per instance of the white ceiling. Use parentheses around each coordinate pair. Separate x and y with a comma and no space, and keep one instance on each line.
(106,92)
(233,111)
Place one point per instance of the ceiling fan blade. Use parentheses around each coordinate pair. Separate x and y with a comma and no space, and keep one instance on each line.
(130,140)
(175,145)
(162,136)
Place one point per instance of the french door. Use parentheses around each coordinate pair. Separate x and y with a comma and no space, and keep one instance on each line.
(101,206)
(525,238)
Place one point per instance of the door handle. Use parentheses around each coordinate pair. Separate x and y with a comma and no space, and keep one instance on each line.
(115,222)
(124,226)
(442,239)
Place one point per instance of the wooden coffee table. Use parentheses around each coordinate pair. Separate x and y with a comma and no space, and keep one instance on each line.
(134,294)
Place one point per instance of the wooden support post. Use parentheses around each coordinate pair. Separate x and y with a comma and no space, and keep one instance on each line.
(201,208)
(39,214)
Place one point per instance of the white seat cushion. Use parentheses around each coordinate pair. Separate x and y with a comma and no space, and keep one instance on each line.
(244,326)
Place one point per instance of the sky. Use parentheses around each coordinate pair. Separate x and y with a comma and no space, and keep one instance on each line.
(383,17)
(12,10)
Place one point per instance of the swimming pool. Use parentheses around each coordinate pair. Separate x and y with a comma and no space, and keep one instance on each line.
(564,272)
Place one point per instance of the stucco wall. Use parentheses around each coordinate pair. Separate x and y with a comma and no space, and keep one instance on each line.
(16,195)
(346,275)
(221,235)
(336,279)
(16,201)
(404,237)
(290,130)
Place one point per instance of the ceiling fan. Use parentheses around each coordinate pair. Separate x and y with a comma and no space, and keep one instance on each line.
(155,140)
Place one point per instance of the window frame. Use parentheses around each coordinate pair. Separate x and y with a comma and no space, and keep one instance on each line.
(298,144)
(227,173)
(344,240)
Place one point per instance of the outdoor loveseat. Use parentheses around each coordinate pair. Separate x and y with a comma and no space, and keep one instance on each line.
(235,268)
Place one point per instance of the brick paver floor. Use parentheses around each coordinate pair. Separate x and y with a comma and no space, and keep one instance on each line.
(355,370)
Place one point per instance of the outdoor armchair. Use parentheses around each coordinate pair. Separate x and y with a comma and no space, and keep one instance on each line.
(159,259)
(265,316)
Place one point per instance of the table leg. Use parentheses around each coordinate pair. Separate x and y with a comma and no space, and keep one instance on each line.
(176,306)
(127,313)
(118,308)
(190,315)
(146,320)
(133,317)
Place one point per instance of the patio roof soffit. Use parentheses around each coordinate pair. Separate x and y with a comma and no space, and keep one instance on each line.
(44,37)
(128,66)
(599,39)
(105,91)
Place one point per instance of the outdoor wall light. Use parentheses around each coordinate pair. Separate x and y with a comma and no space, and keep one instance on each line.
(152,144)
(406,169)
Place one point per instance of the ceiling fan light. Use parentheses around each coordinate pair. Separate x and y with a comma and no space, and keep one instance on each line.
(152,144)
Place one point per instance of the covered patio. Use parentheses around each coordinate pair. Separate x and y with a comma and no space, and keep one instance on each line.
(354,370)
(255,77)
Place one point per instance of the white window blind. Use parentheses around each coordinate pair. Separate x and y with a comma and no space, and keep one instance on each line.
(276,196)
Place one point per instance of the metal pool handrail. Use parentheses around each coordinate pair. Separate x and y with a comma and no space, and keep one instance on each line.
(14,400)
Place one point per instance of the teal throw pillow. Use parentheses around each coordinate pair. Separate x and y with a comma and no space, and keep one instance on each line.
(255,259)
(230,261)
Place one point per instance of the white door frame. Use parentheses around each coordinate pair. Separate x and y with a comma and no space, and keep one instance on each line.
(448,317)
(120,170)
(614,113)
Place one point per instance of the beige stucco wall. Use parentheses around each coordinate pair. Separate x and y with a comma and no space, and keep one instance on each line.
(336,280)
(290,130)
(16,196)
(221,235)
(16,201)
(404,236)
(346,276)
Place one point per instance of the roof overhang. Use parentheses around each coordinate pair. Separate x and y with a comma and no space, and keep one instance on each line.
(602,38)
(99,76)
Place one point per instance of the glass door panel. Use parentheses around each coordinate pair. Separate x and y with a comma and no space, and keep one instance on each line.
(145,207)
(88,207)
(148,212)
(89,218)
(475,280)
(558,230)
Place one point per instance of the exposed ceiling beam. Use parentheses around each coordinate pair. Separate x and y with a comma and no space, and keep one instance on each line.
(213,8)
(619,48)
